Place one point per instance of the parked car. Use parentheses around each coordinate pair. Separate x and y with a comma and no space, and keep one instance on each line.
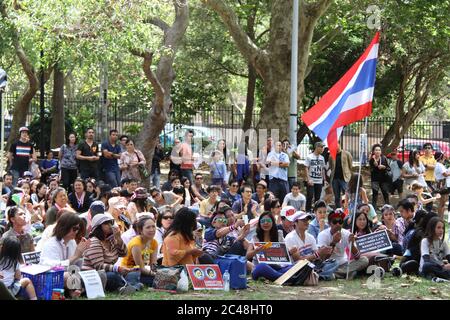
(417,144)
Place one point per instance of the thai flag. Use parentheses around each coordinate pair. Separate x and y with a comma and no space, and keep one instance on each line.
(349,100)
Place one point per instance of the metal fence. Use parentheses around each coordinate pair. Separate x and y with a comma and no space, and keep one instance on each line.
(128,117)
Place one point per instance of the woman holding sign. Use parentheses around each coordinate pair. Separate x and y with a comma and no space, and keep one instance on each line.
(266,232)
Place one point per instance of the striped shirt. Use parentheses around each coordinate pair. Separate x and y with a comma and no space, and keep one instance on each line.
(98,257)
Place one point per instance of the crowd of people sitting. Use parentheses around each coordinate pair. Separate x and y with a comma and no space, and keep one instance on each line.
(90,209)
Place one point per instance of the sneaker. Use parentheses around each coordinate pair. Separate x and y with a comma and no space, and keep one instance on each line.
(127,289)
(437,279)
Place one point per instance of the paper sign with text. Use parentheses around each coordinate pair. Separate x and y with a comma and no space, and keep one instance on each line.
(277,253)
(31,257)
(374,242)
(205,276)
(92,284)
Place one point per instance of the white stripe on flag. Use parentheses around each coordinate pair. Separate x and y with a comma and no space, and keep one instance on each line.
(358,99)
(372,55)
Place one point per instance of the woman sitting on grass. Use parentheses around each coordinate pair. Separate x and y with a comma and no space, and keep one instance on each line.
(142,251)
(435,253)
(10,272)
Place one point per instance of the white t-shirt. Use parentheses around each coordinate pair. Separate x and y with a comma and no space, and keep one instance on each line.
(316,165)
(439,171)
(306,248)
(297,202)
(324,239)
(437,252)
(8,274)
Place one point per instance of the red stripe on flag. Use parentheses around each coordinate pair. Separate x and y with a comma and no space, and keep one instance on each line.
(310,116)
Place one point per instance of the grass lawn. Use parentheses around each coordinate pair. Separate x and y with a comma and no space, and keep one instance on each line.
(404,288)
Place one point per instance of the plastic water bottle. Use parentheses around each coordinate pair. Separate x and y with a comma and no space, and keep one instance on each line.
(226,281)
(183,283)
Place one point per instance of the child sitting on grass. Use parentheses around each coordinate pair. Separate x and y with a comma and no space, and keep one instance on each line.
(434,251)
(9,270)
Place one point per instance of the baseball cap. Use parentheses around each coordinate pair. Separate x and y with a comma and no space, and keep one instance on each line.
(140,193)
(319,144)
(336,214)
(23,129)
(300,215)
(117,203)
(27,174)
(99,219)
(287,211)
(97,207)
(262,183)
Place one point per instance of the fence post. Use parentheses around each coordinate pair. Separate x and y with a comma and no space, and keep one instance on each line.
(115,113)
(403,148)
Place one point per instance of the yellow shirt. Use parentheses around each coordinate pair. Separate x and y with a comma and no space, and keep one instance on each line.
(429,173)
(147,251)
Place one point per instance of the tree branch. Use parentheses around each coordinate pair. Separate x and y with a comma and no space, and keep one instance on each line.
(150,75)
(258,58)
(158,22)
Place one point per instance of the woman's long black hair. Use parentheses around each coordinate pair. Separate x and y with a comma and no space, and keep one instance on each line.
(184,223)
(412,158)
(431,227)
(10,253)
(368,228)
(273,231)
(191,192)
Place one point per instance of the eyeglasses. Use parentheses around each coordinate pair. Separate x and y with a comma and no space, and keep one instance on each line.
(428,148)
(167,217)
(337,221)
(265,220)
(235,185)
(221,220)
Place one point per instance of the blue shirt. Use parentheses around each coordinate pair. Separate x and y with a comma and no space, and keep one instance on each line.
(110,164)
(314,228)
(47,164)
(233,199)
(218,169)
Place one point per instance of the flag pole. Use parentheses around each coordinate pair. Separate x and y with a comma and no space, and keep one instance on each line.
(362,149)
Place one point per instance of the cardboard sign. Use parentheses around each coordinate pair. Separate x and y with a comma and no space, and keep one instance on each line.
(276,254)
(374,242)
(31,257)
(205,276)
(288,274)
(92,284)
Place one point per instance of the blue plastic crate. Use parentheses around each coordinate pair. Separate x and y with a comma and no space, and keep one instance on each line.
(44,283)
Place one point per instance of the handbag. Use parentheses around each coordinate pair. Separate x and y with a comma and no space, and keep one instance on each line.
(166,278)
(142,169)
(303,277)
(236,266)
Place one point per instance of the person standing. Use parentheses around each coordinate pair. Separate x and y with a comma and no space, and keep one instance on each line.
(278,163)
(158,156)
(397,174)
(130,161)
(293,157)
(110,155)
(21,154)
(380,179)
(123,143)
(175,159)
(428,161)
(315,175)
(88,156)
(187,160)
(341,172)
(67,158)
(262,160)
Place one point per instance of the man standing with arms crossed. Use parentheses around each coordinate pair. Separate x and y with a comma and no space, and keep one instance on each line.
(21,154)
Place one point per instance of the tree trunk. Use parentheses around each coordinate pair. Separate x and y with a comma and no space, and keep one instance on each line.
(396,132)
(162,81)
(58,116)
(250,102)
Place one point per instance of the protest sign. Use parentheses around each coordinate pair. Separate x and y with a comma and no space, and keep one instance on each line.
(92,284)
(31,257)
(205,276)
(374,242)
(275,254)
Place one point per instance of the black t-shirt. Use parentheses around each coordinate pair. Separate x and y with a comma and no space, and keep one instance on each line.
(379,175)
(338,174)
(88,151)
(22,152)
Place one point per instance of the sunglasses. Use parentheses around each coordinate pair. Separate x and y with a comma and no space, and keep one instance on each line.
(428,148)
(337,221)
(235,185)
(167,217)
(266,220)
(221,220)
